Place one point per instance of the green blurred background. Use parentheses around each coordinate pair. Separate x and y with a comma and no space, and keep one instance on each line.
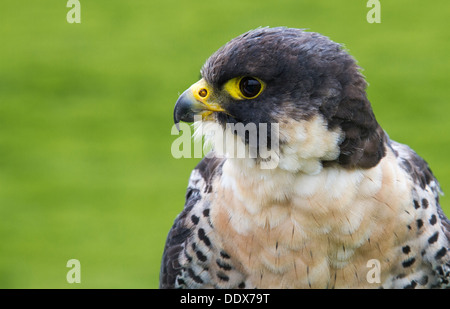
(86,170)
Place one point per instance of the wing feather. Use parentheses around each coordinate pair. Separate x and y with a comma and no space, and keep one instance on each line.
(200,184)
(422,176)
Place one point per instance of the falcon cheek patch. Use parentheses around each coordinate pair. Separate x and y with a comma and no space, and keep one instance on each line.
(249,144)
(306,144)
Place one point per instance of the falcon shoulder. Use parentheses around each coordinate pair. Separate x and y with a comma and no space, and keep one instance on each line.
(433,227)
(192,255)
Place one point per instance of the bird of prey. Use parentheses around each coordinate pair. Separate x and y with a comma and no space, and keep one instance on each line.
(344,206)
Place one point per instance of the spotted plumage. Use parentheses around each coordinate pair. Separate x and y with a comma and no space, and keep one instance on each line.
(341,194)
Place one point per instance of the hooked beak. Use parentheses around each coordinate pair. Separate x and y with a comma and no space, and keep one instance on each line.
(195,101)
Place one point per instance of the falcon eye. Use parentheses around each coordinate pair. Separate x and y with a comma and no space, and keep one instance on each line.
(250,87)
(244,87)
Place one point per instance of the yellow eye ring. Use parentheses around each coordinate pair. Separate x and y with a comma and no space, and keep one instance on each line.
(244,87)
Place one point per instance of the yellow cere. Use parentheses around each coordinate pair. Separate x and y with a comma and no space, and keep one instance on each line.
(202,93)
(201,90)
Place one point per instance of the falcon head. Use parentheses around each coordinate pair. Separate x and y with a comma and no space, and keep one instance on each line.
(302,81)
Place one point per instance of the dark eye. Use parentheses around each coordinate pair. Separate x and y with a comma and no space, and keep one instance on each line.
(250,87)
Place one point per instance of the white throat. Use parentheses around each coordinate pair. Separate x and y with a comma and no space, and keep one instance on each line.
(301,147)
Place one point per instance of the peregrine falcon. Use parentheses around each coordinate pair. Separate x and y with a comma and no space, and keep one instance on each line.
(342,194)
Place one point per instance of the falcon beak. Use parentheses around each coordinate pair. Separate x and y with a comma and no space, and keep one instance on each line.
(195,101)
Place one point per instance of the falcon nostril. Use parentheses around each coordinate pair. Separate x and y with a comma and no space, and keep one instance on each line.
(203,93)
